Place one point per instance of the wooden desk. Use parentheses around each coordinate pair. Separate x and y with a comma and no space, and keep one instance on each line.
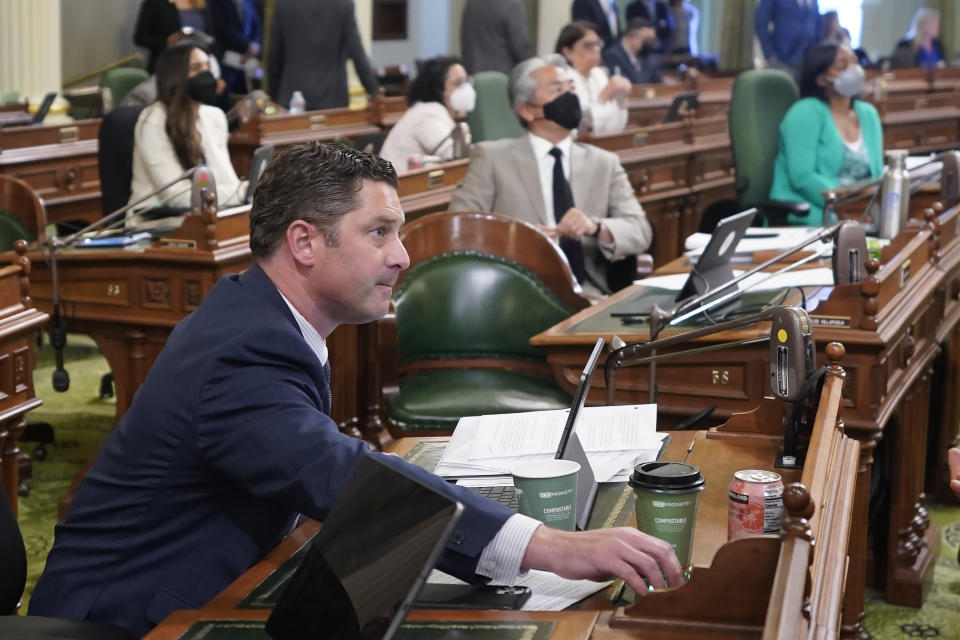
(59,163)
(760,570)
(281,130)
(889,329)
(19,322)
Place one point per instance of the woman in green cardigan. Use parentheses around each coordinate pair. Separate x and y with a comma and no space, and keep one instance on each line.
(828,138)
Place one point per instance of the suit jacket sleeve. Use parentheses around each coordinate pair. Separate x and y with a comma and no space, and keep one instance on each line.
(516,29)
(477,190)
(149,28)
(228,27)
(260,425)
(625,218)
(274,54)
(761,26)
(354,47)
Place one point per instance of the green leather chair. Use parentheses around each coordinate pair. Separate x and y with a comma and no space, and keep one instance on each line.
(492,118)
(760,99)
(480,286)
(120,81)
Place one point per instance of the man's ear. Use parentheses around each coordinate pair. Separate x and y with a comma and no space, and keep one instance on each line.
(525,112)
(299,240)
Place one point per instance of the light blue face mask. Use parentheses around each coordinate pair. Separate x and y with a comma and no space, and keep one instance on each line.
(850,82)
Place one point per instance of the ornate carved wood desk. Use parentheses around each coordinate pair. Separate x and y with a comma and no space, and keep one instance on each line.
(783,589)
(19,322)
(888,324)
(59,163)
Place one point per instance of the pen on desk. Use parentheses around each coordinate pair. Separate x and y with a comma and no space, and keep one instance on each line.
(689,449)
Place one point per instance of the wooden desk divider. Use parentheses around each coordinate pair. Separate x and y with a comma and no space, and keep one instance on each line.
(385,111)
(282,130)
(59,163)
(908,257)
(767,586)
(429,190)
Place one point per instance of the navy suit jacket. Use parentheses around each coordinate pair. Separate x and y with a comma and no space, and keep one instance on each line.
(226,442)
(590,11)
(615,57)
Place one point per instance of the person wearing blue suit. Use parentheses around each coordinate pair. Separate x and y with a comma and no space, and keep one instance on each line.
(603,14)
(786,29)
(229,440)
(632,57)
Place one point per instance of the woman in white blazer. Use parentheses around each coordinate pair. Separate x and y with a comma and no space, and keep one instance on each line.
(179,131)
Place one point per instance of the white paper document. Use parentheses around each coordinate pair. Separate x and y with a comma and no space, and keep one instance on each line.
(615,439)
(757,282)
(550,592)
(762,239)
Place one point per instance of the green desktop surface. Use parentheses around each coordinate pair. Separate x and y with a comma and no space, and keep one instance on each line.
(415,630)
(606,322)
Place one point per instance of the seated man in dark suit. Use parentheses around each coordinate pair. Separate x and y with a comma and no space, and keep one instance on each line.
(577,194)
(658,15)
(632,57)
(229,439)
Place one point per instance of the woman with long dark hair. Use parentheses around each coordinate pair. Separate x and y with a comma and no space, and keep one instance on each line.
(439,99)
(828,138)
(181,130)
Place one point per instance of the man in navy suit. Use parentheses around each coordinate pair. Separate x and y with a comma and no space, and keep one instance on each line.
(786,29)
(658,15)
(601,13)
(229,439)
(632,57)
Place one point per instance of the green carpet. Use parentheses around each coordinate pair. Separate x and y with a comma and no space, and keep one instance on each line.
(81,421)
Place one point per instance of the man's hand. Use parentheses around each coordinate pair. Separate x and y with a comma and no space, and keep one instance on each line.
(954,461)
(599,554)
(576,224)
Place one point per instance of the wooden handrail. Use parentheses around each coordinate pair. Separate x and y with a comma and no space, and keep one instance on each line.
(122,62)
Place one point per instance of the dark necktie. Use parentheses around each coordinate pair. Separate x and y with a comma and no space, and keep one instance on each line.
(326,375)
(562,202)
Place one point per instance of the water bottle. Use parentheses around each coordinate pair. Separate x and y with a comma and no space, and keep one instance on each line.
(894,195)
(297,103)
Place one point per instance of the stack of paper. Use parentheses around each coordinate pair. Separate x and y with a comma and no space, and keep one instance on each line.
(762,281)
(550,592)
(763,239)
(615,439)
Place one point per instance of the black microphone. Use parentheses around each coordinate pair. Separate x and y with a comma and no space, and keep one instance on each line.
(58,340)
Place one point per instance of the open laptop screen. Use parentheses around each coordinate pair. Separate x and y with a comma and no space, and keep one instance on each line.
(364,568)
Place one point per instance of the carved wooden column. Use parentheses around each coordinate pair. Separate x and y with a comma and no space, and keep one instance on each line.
(30,60)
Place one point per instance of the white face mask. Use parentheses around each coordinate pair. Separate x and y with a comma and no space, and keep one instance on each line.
(463,98)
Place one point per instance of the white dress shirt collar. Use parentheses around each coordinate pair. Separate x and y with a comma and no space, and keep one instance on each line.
(541,151)
(310,335)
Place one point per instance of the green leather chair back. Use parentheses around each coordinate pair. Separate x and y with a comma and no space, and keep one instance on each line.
(492,118)
(464,305)
(11,230)
(760,99)
(121,80)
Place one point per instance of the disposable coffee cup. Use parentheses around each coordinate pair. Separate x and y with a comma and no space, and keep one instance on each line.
(667,494)
(547,491)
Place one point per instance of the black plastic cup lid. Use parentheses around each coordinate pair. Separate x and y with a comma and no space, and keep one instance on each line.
(666,476)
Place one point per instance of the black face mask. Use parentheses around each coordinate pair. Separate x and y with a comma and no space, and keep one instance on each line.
(564,110)
(646,49)
(203,88)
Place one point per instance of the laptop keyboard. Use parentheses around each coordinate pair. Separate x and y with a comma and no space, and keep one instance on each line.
(505,495)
